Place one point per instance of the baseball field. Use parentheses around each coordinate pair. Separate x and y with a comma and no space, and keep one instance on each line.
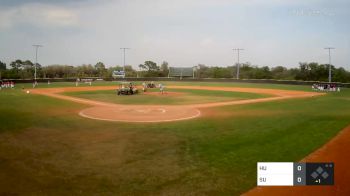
(195,139)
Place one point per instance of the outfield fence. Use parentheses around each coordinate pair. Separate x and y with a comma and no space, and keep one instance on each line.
(262,81)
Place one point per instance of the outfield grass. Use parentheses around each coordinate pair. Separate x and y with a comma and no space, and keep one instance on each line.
(229,84)
(183,96)
(46,148)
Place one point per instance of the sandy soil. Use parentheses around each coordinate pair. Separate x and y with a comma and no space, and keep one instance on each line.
(161,113)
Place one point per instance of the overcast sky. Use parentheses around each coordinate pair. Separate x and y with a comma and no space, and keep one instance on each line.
(182,32)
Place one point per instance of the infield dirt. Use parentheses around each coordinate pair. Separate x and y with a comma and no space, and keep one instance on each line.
(162,113)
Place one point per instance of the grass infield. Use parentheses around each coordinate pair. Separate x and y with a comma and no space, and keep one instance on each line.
(171,96)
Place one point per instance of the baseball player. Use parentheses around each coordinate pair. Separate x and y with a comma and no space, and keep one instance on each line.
(144,86)
(161,88)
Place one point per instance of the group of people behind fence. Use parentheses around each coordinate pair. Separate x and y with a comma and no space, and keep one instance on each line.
(326,87)
(86,81)
(7,84)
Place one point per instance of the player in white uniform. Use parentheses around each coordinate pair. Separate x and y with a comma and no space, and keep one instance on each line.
(144,86)
(161,88)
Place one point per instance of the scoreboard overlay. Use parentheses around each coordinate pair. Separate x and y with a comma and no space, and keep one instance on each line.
(294,174)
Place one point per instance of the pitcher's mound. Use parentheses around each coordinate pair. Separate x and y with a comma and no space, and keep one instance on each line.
(165,94)
(140,113)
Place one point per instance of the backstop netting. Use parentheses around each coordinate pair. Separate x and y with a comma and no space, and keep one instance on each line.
(180,72)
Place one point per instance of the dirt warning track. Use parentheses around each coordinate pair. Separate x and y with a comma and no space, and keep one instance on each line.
(161,113)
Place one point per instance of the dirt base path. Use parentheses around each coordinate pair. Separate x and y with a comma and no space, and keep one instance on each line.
(161,113)
(337,151)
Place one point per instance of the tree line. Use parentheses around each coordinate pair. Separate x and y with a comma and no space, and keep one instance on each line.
(305,72)
(313,71)
(19,69)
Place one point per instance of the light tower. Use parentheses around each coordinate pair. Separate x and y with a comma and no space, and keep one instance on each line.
(238,50)
(124,57)
(36,46)
(330,64)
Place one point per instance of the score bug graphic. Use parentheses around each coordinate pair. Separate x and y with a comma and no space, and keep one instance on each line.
(320,173)
(294,174)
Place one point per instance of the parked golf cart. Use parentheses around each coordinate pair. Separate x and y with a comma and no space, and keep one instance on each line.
(126,88)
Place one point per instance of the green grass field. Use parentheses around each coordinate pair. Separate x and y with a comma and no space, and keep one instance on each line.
(47,149)
(181,96)
(116,83)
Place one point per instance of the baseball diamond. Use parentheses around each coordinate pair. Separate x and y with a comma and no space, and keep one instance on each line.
(168,98)
(179,140)
(162,113)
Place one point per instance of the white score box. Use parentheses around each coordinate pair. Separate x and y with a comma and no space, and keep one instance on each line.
(275,174)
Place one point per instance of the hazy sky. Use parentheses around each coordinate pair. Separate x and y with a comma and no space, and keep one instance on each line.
(182,32)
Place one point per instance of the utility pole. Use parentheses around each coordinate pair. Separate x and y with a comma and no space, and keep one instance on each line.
(193,68)
(330,64)
(124,58)
(36,46)
(238,50)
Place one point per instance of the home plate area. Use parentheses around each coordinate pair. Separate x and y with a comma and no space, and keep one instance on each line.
(134,113)
(143,111)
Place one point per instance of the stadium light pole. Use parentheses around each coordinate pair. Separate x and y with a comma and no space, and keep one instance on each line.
(330,64)
(124,57)
(36,46)
(238,50)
